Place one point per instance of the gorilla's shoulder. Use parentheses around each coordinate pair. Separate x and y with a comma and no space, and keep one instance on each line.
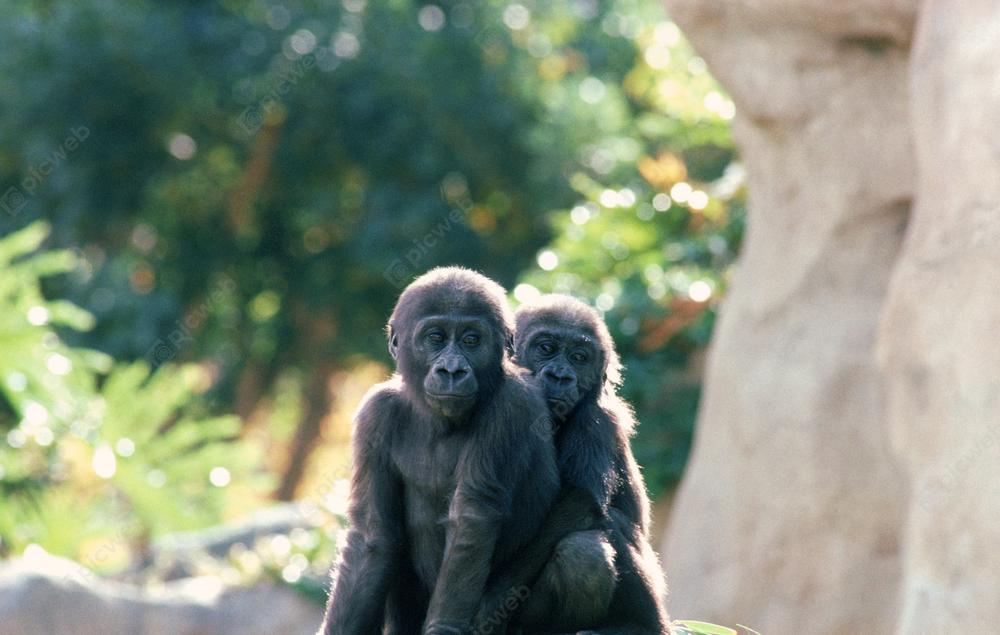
(619,413)
(386,399)
(518,399)
(521,384)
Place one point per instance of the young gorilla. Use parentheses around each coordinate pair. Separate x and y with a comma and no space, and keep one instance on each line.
(600,580)
(450,480)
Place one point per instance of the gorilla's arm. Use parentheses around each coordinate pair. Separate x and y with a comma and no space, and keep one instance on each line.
(372,550)
(575,510)
(586,454)
(637,605)
(472,536)
(587,468)
(503,457)
(634,588)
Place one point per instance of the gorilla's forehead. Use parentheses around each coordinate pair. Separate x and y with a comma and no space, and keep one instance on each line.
(453,320)
(569,334)
(419,303)
(445,311)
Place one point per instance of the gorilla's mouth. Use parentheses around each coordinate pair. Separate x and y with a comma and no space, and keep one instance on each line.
(450,395)
(449,404)
(560,406)
(566,398)
(451,401)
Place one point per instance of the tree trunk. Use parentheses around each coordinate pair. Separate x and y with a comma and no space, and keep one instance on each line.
(317,400)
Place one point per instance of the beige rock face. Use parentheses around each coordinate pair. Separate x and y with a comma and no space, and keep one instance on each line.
(45,595)
(789,517)
(940,340)
(844,477)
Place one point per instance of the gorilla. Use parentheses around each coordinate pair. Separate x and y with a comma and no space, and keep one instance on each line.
(605,579)
(450,476)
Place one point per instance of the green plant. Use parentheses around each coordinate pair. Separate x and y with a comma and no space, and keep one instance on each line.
(690,627)
(656,226)
(96,457)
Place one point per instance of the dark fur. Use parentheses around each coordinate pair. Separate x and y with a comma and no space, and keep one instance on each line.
(579,586)
(440,500)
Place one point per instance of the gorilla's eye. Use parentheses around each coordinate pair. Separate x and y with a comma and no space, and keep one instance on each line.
(471,339)
(579,357)
(547,347)
(436,336)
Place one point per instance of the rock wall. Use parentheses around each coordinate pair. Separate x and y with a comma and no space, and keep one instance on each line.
(940,339)
(843,477)
(44,595)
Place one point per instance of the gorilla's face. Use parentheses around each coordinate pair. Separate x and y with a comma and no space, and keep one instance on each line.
(453,350)
(567,363)
(449,335)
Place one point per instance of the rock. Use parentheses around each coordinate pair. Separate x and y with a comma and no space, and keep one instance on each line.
(940,339)
(44,595)
(789,517)
(843,478)
(176,555)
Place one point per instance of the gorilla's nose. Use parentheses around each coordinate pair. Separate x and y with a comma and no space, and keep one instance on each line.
(558,375)
(453,374)
(455,367)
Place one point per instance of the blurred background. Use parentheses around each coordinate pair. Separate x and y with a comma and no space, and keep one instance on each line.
(209,208)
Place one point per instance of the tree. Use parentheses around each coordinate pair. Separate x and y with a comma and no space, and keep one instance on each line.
(656,224)
(250,185)
(296,158)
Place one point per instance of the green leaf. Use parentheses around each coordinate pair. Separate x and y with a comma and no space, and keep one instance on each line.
(704,628)
(23,242)
(68,314)
(48,263)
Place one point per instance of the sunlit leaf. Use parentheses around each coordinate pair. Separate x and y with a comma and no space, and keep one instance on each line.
(704,628)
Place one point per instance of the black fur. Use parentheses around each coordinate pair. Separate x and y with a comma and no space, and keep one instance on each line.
(566,345)
(449,482)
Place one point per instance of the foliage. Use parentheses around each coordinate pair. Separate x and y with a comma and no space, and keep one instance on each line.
(689,627)
(656,226)
(248,184)
(97,456)
(300,557)
(701,628)
(308,153)
(302,157)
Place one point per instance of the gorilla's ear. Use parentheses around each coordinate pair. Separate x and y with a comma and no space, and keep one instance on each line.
(393,344)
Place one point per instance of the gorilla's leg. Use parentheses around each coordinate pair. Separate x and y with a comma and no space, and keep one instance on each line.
(406,604)
(575,588)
